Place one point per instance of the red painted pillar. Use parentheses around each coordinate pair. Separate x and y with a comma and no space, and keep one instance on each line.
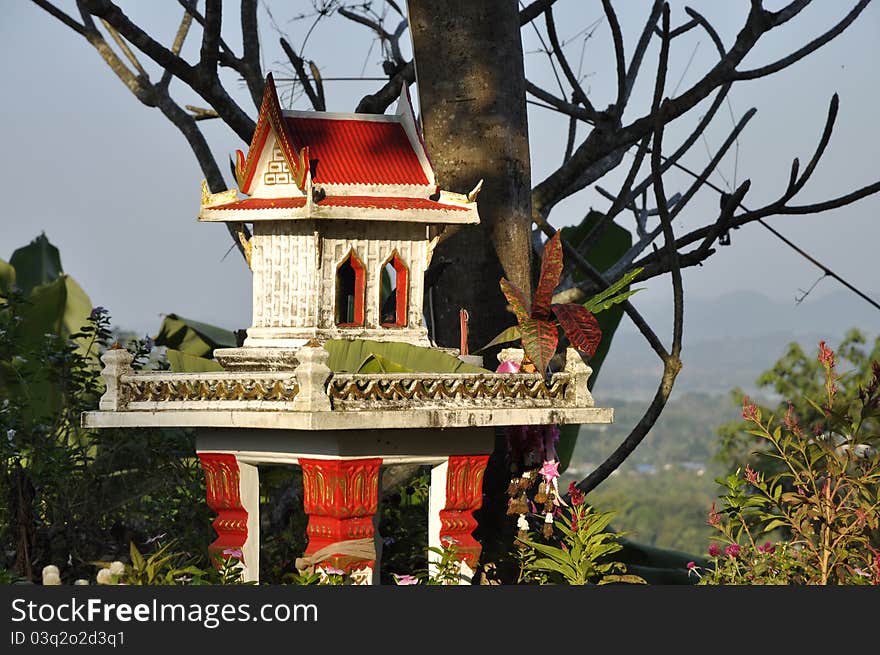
(223,486)
(464,495)
(340,498)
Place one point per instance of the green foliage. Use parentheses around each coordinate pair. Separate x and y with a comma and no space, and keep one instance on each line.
(823,498)
(35,264)
(78,495)
(584,552)
(793,379)
(166,566)
(7,278)
(404,523)
(661,492)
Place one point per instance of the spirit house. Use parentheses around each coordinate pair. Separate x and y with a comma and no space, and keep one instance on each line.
(345,212)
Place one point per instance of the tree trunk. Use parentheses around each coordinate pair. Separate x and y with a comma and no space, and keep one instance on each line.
(469,72)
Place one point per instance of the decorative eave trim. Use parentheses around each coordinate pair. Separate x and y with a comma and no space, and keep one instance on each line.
(408,120)
(271,117)
(315,211)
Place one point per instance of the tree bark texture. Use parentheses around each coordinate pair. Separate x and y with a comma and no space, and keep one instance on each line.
(471,82)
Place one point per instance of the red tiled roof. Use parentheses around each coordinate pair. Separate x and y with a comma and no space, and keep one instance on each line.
(385,203)
(264,203)
(350,151)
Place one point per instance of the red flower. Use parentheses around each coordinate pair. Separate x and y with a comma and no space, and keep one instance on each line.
(826,355)
(691,566)
(714,549)
(732,551)
(714,517)
(767,548)
(791,421)
(575,494)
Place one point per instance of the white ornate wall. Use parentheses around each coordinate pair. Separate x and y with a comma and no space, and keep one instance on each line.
(294,278)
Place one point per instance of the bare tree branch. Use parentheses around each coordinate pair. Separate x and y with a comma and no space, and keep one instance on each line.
(210,51)
(671,361)
(377,103)
(251,69)
(60,15)
(578,94)
(812,46)
(639,53)
(532,11)
(619,57)
(565,107)
(201,79)
(299,66)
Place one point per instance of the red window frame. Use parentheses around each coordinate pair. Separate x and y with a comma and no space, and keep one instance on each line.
(402,289)
(359,289)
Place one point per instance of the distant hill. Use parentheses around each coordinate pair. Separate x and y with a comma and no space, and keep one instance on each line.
(729,340)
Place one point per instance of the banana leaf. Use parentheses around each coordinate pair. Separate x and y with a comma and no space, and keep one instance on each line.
(352,356)
(183,362)
(36,263)
(193,337)
(7,278)
(60,307)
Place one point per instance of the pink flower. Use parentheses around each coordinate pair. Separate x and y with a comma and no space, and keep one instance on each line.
(508,367)
(233,552)
(750,411)
(405,579)
(332,570)
(714,549)
(732,551)
(691,566)
(550,470)
(751,476)
(767,548)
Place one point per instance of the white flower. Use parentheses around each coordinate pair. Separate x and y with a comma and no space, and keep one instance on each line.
(105,576)
(117,568)
(522,523)
(51,578)
(81,581)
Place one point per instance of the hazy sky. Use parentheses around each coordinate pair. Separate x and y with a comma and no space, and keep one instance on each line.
(115,187)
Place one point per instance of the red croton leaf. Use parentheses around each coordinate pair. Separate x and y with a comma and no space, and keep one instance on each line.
(580,326)
(517,299)
(539,339)
(551,269)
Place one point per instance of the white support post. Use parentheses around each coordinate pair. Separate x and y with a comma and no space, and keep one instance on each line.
(578,393)
(117,362)
(249,492)
(311,377)
(436,503)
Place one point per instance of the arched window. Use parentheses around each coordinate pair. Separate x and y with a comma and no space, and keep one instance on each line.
(393,292)
(350,292)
